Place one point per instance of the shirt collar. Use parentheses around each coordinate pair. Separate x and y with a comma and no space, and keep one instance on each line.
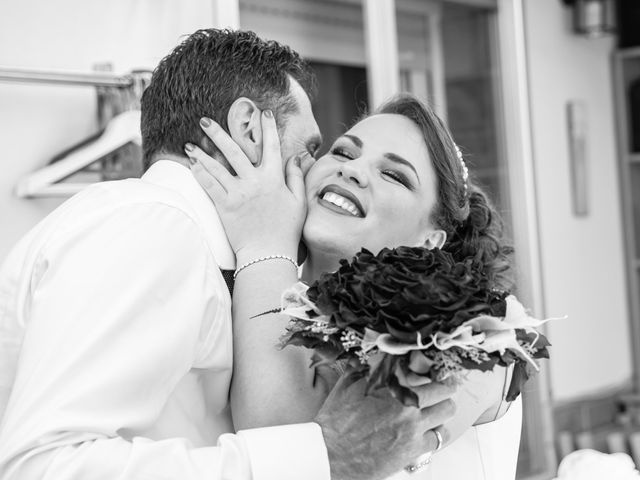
(177,177)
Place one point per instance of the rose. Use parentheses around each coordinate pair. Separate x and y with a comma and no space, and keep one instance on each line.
(404,291)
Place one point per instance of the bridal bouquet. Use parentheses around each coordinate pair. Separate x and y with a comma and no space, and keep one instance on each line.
(412,310)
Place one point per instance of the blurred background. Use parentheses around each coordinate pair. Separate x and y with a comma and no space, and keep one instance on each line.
(543,96)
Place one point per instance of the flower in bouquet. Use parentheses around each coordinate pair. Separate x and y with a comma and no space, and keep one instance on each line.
(412,311)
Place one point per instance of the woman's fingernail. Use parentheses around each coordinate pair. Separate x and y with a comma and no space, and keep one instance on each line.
(297,161)
(268,113)
(189,147)
(205,122)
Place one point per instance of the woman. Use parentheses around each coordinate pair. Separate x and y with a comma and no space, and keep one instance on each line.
(395,178)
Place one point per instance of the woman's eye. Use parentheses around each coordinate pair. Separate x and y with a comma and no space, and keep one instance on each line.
(398,177)
(341,152)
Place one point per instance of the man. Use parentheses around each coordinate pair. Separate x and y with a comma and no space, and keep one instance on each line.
(126,359)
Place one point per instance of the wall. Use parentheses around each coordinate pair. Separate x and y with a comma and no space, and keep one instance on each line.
(582,257)
(39,121)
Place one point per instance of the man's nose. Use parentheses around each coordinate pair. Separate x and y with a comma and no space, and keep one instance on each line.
(353,172)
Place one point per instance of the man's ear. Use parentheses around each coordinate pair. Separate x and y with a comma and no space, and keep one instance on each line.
(435,239)
(245,128)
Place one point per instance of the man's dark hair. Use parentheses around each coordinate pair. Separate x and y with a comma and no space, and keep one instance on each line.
(205,74)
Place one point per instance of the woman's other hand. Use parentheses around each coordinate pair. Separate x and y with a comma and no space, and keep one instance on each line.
(262,211)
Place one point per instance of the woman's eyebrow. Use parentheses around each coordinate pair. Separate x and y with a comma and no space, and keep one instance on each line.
(389,155)
(398,159)
(356,140)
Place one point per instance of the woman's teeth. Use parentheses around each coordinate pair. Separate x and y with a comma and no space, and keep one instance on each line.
(340,201)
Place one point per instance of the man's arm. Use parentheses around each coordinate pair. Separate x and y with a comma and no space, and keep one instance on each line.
(115,317)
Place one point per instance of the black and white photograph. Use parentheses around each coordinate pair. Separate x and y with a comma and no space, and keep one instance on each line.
(320,240)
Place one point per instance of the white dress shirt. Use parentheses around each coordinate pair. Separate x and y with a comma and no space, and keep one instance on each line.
(116,345)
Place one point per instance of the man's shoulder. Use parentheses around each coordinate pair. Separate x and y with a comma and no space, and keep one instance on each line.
(131,206)
(140,209)
(115,198)
(131,191)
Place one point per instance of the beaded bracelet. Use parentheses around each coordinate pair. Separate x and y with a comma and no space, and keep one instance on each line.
(263,259)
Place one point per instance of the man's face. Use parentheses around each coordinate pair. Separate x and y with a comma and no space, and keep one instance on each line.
(300,135)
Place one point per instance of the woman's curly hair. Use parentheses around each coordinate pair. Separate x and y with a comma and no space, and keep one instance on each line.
(473,225)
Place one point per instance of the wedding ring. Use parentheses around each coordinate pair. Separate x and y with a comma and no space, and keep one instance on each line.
(439,438)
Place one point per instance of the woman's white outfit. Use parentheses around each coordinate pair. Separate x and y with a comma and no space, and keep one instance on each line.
(485,452)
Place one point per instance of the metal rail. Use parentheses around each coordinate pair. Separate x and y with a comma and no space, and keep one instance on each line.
(65,78)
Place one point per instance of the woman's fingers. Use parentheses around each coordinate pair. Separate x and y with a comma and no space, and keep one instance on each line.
(295,179)
(209,183)
(210,164)
(271,156)
(209,173)
(230,149)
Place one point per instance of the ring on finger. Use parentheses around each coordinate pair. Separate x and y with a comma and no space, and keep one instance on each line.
(438,438)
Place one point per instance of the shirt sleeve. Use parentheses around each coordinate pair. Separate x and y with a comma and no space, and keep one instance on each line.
(294,452)
(114,324)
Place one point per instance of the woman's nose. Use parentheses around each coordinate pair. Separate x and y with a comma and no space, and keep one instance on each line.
(353,173)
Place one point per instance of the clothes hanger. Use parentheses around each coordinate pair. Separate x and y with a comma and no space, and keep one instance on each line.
(121,130)
(118,111)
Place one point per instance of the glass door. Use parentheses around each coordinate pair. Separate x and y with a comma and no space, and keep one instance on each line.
(447,53)
(330,35)
(343,98)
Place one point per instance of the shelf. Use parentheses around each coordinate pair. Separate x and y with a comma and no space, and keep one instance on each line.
(627,53)
(634,158)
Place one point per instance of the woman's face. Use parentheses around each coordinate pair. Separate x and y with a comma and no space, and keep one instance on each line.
(375,188)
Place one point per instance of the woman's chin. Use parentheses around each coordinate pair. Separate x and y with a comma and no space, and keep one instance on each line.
(323,242)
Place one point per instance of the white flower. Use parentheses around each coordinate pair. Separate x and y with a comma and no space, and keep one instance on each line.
(592,465)
(500,332)
(295,303)
(461,337)
(486,333)
(388,344)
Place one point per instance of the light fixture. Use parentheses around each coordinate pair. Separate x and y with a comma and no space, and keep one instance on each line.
(593,18)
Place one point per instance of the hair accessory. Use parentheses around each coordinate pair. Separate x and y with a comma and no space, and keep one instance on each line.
(263,259)
(465,170)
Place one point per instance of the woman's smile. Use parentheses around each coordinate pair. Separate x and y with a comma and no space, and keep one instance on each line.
(375,188)
(342,201)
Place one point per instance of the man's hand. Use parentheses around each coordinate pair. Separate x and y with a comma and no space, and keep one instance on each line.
(374,436)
